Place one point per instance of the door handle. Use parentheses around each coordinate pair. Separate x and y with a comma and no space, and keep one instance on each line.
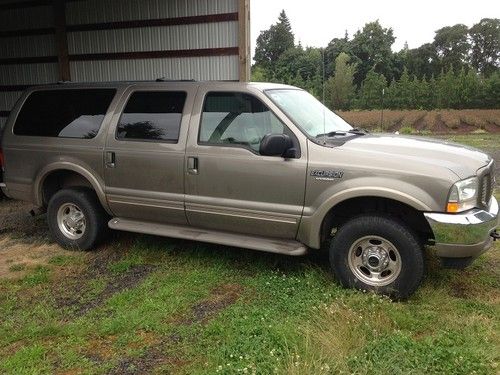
(192,167)
(110,159)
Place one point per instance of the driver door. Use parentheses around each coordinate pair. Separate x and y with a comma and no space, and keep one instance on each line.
(229,185)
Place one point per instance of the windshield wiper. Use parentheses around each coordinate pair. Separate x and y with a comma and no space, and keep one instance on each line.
(355,131)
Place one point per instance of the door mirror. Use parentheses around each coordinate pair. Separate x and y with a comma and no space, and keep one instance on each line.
(277,145)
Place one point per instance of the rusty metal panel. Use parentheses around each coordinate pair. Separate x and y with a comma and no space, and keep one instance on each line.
(198,36)
(199,68)
(93,11)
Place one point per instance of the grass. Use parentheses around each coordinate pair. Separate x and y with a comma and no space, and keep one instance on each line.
(152,305)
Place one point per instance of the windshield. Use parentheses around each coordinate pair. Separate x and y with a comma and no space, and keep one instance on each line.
(307,112)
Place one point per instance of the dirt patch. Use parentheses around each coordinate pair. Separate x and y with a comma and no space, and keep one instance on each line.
(16,258)
(76,295)
(219,299)
(16,221)
(161,353)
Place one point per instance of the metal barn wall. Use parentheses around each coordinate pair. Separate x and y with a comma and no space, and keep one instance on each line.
(44,41)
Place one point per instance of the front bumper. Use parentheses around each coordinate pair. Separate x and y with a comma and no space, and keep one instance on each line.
(465,235)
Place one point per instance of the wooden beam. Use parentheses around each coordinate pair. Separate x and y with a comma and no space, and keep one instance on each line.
(209,18)
(155,54)
(59,8)
(244,40)
(27,32)
(28,60)
(24,4)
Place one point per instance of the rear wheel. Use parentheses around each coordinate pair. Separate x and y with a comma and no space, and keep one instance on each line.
(379,254)
(76,219)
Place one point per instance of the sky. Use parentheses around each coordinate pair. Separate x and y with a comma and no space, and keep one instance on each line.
(316,22)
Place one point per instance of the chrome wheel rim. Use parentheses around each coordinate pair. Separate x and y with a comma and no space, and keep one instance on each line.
(375,261)
(71,221)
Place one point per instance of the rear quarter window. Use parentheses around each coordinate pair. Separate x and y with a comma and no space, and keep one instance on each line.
(68,113)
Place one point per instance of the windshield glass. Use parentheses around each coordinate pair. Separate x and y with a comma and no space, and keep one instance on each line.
(307,112)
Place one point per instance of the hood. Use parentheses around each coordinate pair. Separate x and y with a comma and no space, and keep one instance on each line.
(464,161)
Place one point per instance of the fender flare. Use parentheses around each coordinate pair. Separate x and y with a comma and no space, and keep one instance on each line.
(97,183)
(310,228)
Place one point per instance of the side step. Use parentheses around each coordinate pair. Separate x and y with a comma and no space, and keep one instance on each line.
(271,245)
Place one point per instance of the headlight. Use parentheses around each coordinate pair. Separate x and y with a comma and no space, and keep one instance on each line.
(463,195)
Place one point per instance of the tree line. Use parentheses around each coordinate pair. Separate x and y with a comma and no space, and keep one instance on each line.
(459,69)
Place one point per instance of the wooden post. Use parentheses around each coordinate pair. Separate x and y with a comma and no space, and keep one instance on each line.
(59,7)
(244,40)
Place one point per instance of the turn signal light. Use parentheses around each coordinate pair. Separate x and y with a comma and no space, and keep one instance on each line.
(452,207)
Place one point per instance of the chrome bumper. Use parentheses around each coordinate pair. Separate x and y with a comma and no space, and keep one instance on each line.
(466,235)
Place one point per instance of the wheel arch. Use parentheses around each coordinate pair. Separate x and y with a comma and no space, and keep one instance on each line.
(65,174)
(314,230)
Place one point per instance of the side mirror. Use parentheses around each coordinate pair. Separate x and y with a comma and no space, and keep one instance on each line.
(277,145)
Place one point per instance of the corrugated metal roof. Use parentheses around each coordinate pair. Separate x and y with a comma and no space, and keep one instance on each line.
(24,46)
(199,68)
(8,99)
(26,18)
(79,12)
(27,74)
(198,36)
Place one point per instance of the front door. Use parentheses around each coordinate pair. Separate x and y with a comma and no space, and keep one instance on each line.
(229,185)
(144,156)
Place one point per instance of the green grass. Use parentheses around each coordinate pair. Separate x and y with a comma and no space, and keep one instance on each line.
(154,305)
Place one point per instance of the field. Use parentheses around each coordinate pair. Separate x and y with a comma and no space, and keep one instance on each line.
(143,304)
(438,121)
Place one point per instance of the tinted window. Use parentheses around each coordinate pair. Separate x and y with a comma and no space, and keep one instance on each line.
(152,116)
(238,119)
(64,113)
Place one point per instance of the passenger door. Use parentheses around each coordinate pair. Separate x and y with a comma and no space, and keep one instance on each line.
(229,185)
(144,156)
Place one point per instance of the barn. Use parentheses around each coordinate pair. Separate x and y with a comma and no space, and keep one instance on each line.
(46,41)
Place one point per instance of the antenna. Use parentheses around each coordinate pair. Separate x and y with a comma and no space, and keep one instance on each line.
(324,101)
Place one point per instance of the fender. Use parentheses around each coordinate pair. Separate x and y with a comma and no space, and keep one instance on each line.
(310,226)
(85,171)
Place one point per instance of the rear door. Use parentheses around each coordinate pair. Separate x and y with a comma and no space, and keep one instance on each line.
(145,150)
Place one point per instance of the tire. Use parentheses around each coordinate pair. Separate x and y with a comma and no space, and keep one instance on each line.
(379,254)
(76,219)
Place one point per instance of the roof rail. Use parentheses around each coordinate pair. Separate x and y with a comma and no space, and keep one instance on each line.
(165,79)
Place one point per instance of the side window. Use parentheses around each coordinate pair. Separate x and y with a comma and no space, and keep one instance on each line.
(152,116)
(237,119)
(65,113)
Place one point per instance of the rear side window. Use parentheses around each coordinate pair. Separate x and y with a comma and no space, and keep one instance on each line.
(64,113)
(152,116)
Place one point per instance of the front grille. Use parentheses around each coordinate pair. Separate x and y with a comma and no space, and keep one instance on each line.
(486,189)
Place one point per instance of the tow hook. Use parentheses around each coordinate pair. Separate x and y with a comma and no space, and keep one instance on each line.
(495,235)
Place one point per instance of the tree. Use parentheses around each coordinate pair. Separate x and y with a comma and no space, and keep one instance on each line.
(371,90)
(423,61)
(334,49)
(372,48)
(272,43)
(485,41)
(340,88)
(452,46)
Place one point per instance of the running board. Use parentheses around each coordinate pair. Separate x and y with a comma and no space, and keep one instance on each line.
(271,245)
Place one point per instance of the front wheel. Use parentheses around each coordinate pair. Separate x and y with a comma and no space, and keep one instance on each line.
(76,218)
(379,254)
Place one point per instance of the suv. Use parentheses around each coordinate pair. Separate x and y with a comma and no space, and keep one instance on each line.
(253,165)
